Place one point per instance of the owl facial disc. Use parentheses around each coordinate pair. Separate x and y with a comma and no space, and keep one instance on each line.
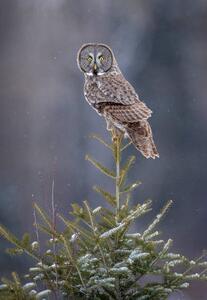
(95,59)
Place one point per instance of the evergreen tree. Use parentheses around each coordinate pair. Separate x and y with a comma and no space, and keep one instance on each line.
(97,255)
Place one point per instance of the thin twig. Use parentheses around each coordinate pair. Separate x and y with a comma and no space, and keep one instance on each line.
(38,240)
(53,236)
(36,227)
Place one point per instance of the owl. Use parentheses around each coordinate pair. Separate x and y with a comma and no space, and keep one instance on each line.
(114,98)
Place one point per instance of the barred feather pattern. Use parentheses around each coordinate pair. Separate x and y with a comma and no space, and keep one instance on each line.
(129,117)
(114,98)
(139,131)
(140,134)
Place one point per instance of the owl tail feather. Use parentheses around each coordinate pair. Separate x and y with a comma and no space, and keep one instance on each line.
(140,134)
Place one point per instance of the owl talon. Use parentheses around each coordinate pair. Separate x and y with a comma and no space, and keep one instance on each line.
(116,135)
(114,139)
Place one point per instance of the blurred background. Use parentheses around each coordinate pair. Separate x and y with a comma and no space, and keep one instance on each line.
(161,47)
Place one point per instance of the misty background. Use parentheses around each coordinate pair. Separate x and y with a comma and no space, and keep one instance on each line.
(161,47)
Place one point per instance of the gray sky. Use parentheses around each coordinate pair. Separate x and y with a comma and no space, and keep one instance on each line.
(45,122)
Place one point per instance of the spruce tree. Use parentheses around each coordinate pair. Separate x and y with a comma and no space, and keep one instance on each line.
(98,255)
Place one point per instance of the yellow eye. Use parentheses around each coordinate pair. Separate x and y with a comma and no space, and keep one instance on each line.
(89,58)
(101,58)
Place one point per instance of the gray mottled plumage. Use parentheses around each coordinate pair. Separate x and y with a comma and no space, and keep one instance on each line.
(113,97)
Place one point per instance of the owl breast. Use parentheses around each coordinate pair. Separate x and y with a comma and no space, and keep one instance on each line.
(93,93)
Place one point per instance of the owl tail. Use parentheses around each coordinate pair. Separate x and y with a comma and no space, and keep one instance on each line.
(140,134)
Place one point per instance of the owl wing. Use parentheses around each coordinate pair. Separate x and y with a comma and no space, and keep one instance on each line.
(126,113)
(117,90)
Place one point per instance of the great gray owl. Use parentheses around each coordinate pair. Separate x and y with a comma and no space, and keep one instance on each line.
(113,97)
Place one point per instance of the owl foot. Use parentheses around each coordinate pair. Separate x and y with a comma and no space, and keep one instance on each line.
(117,134)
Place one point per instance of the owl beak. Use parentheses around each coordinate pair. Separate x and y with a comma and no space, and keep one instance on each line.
(95,69)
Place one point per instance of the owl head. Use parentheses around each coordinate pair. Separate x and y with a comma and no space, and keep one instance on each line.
(95,59)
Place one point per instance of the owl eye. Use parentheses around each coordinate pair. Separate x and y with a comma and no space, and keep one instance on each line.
(89,58)
(101,58)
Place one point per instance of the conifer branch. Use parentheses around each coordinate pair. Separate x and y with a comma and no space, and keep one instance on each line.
(108,197)
(13,240)
(99,166)
(94,228)
(98,138)
(71,259)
